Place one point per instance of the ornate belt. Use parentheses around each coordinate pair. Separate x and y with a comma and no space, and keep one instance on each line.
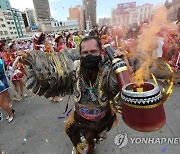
(93,113)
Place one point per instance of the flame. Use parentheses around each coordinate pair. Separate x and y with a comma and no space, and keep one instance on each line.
(143,72)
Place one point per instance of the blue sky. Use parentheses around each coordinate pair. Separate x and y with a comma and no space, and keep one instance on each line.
(59,8)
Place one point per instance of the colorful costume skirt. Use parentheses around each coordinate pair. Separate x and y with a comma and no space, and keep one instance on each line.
(76,125)
(14,75)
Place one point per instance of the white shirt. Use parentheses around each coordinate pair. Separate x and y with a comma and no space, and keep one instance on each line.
(159,51)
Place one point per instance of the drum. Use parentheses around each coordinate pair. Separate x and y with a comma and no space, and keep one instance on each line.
(142,108)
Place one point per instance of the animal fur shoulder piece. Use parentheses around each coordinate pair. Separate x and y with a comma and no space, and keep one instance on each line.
(51,74)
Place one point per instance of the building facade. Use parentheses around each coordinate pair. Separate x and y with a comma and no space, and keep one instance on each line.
(11,25)
(76,13)
(172,7)
(25,19)
(140,13)
(90,12)
(42,9)
(132,15)
(5,5)
(104,21)
(42,15)
(19,23)
(69,25)
(31,19)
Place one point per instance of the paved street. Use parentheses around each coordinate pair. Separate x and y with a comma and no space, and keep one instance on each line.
(37,130)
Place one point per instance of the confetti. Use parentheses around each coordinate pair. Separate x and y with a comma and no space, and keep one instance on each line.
(46,140)
(46,109)
(55,130)
(21,130)
(52,117)
(163,149)
(67,114)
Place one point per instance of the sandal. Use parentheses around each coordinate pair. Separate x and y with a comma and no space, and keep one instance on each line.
(17,99)
(25,95)
(10,119)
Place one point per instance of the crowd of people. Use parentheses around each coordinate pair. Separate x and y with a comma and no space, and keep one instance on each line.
(90,49)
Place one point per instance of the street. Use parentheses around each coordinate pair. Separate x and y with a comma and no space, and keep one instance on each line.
(36,129)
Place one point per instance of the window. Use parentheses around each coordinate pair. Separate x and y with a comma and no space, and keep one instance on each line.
(6,32)
(1,33)
(14,28)
(8,22)
(15,32)
(3,25)
(1,19)
(10,28)
(11,32)
(140,16)
(12,23)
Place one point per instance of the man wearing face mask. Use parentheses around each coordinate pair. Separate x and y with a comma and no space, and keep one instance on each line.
(92,83)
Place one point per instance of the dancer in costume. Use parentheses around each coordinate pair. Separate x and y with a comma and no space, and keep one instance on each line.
(77,39)
(4,90)
(42,44)
(60,43)
(18,72)
(4,54)
(91,81)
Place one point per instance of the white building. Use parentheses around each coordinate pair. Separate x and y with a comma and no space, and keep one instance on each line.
(69,25)
(30,14)
(133,15)
(45,25)
(144,12)
(11,25)
(104,21)
(119,17)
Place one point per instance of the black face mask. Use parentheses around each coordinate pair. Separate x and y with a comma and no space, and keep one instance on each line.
(90,62)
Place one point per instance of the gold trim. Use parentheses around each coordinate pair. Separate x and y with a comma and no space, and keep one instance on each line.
(121,69)
(100,92)
(115,60)
(166,92)
(107,45)
(143,107)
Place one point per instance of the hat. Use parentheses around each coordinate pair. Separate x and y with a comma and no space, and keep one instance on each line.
(10,44)
(2,44)
(58,37)
(40,39)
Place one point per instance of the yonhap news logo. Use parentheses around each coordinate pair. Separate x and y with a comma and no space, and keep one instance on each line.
(121,140)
